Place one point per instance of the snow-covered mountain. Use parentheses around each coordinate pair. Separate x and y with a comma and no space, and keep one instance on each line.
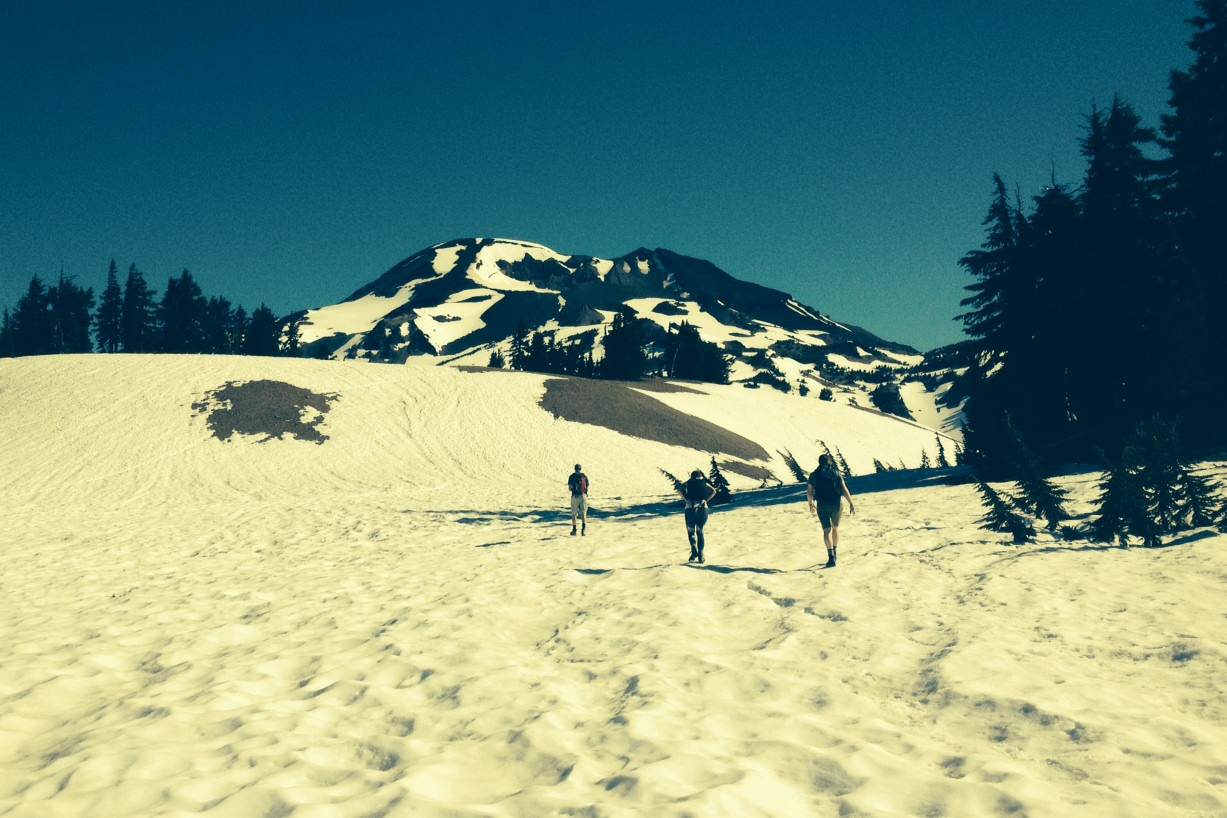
(462,300)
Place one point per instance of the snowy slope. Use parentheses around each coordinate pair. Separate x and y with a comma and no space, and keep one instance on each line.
(393,621)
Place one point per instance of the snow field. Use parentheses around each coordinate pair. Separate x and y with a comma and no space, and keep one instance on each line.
(397,622)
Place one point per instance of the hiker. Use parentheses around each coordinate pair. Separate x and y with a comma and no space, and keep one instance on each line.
(826,488)
(696,492)
(578,484)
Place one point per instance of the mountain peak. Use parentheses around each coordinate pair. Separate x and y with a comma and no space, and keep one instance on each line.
(462,299)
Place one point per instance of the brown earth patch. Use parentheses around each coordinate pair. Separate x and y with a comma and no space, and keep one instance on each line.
(270,408)
(619,407)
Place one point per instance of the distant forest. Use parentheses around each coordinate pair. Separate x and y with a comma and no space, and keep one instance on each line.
(1098,306)
(61,318)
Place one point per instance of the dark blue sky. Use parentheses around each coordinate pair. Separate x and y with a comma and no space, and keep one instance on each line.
(288,153)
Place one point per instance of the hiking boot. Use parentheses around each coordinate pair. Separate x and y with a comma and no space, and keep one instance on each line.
(572,531)
(583,532)
(830,560)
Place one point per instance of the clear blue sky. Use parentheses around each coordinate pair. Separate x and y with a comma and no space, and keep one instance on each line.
(288,153)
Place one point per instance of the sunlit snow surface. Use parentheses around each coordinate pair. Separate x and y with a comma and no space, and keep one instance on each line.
(394,621)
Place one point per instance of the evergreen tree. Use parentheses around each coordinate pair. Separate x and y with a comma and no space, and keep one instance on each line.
(263,333)
(236,330)
(33,324)
(138,325)
(108,323)
(215,327)
(519,346)
(1122,507)
(1195,201)
(183,316)
(1002,515)
(1156,452)
(677,484)
(1038,494)
(8,339)
(1123,279)
(925,462)
(799,474)
(724,493)
(991,317)
(843,464)
(496,360)
(70,316)
(1199,507)
(942,461)
(687,356)
(625,357)
(291,344)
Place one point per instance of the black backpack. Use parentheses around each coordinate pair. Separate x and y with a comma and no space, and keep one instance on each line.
(828,485)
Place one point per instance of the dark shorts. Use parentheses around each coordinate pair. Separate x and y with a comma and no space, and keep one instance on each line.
(696,517)
(828,513)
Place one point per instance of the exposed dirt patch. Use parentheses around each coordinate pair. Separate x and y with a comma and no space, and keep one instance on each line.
(623,409)
(269,408)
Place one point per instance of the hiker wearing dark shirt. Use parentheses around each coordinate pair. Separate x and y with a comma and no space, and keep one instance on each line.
(578,485)
(825,489)
(696,492)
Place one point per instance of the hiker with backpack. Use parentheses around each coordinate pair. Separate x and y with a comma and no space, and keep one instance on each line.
(826,487)
(578,484)
(696,491)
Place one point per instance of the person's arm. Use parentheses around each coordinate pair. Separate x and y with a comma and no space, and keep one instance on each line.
(713,493)
(848,495)
(809,495)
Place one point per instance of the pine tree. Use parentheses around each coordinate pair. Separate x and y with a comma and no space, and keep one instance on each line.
(677,484)
(925,462)
(625,356)
(942,461)
(8,340)
(1199,507)
(291,344)
(33,324)
(879,467)
(1038,494)
(216,325)
(236,329)
(262,333)
(496,360)
(108,323)
(183,316)
(1195,177)
(990,316)
(70,317)
(1002,515)
(1122,278)
(843,464)
(1123,506)
(137,320)
(724,493)
(1157,455)
(798,473)
(519,346)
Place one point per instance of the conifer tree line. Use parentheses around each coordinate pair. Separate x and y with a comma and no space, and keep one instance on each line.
(130,318)
(1097,306)
(633,348)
